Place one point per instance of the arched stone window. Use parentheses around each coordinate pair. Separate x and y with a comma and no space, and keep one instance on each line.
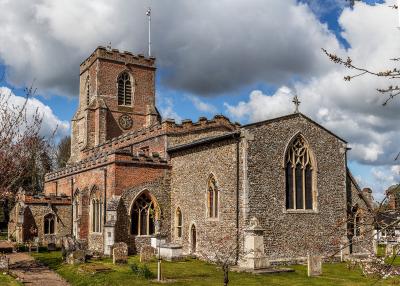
(178,222)
(49,223)
(143,215)
(124,89)
(212,197)
(97,214)
(300,173)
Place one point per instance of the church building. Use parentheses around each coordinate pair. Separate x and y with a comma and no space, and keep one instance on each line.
(133,175)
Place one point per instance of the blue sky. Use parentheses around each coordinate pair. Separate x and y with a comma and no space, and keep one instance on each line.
(245,62)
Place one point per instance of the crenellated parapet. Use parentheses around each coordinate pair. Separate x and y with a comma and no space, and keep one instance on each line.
(117,56)
(105,158)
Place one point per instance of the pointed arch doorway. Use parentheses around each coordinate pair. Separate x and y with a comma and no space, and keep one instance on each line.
(193,239)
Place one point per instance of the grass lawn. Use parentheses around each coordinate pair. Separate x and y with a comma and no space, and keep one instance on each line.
(194,272)
(7,280)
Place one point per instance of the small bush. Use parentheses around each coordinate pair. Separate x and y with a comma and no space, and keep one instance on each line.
(142,271)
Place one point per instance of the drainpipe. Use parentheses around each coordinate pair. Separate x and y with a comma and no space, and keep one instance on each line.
(105,196)
(237,199)
(72,204)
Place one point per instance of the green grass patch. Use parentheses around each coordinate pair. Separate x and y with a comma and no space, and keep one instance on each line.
(195,272)
(7,280)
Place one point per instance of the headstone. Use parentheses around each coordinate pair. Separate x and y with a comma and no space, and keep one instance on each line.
(314,265)
(76,257)
(120,252)
(4,262)
(146,253)
(389,249)
(51,247)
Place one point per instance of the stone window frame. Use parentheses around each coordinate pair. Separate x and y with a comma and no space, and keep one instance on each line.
(96,211)
(356,224)
(133,85)
(45,219)
(216,199)
(192,223)
(157,213)
(314,188)
(178,228)
(87,90)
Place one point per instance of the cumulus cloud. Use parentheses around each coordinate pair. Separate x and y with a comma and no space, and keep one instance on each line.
(208,47)
(166,108)
(202,106)
(50,122)
(353,110)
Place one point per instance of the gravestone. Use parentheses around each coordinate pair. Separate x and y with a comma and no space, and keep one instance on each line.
(4,262)
(146,253)
(120,252)
(314,264)
(389,249)
(51,247)
(76,257)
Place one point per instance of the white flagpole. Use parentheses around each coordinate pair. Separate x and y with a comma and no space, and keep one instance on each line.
(148,13)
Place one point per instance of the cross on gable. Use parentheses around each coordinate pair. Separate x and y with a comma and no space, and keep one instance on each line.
(296,102)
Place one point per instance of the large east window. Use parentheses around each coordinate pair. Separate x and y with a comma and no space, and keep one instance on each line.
(300,174)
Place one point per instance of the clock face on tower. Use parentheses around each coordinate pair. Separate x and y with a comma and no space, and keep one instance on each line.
(125,121)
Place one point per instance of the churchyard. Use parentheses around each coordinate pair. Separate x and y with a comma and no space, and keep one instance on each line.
(102,271)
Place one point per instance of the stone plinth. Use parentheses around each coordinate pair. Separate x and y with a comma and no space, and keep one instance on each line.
(254,255)
(171,252)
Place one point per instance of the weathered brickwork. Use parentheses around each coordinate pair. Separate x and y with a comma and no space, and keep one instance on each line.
(170,165)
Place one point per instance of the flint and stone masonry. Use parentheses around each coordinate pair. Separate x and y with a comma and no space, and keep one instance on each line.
(133,175)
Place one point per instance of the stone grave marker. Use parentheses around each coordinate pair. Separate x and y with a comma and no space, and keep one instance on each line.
(76,257)
(4,262)
(389,249)
(120,252)
(314,264)
(51,247)
(146,253)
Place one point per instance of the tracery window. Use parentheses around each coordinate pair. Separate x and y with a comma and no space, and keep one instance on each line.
(178,221)
(212,197)
(97,212)
(143,216)
(124,89)
(49,221)
(299,171)
(357,224)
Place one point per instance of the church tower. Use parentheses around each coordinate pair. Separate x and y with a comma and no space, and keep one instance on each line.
(116,96)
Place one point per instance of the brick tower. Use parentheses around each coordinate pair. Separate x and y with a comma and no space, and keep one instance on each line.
(116,96)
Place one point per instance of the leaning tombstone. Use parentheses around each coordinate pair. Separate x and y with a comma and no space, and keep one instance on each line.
(314,264)
(120,253)
(146,253)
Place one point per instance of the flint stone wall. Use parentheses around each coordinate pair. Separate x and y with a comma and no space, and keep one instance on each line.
(292,234)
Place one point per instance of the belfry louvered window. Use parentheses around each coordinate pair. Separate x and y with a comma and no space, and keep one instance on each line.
(124,89)
(299,171)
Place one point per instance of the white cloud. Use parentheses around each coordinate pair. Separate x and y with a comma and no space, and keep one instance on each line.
(167,110)
(201,105)
(50,122)
(353,110)
(208,47)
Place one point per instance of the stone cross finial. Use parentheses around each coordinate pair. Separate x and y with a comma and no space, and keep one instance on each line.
(296,102)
